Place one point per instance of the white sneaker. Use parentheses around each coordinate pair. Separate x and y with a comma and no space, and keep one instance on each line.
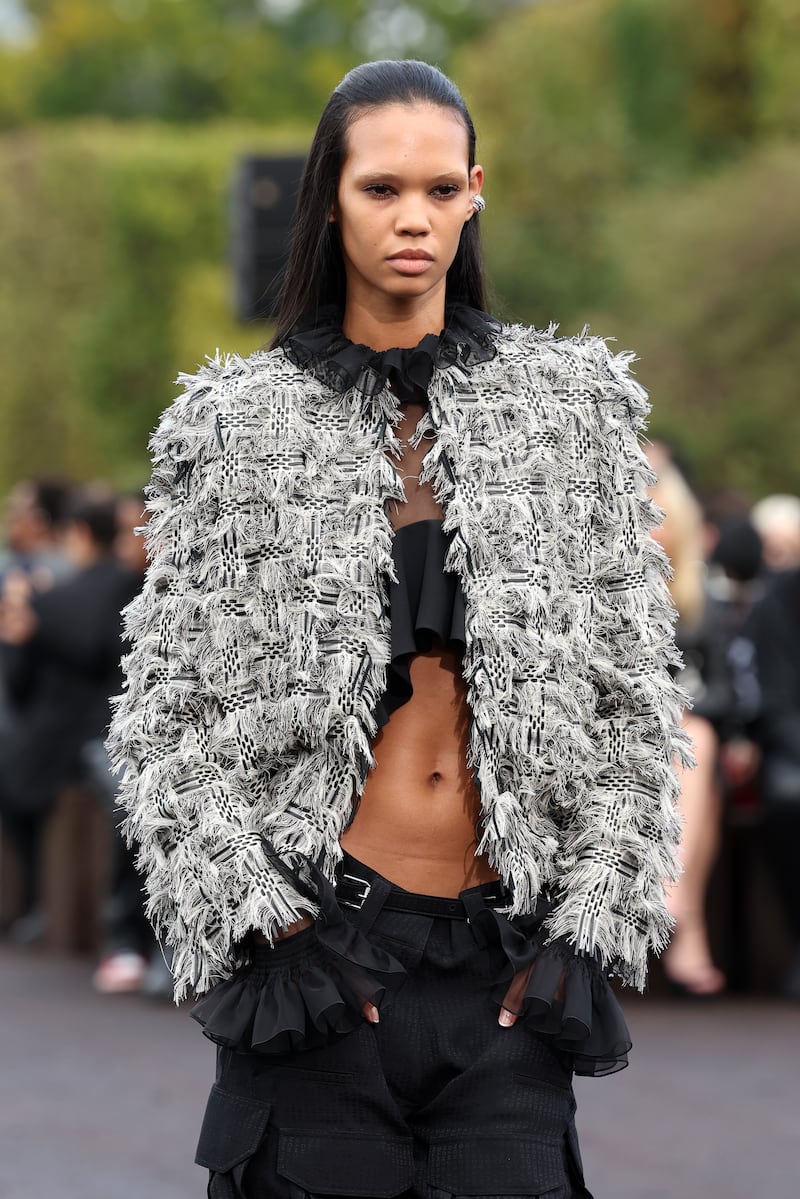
(119,972)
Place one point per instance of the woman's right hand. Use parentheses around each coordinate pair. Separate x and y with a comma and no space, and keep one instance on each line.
(297,927)
(369,1011)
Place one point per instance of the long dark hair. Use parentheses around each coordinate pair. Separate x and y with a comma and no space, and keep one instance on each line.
(315,272)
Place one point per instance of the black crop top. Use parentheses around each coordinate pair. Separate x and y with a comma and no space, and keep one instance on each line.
(425,602)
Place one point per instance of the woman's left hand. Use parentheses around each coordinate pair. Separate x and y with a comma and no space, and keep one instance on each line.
(515,997)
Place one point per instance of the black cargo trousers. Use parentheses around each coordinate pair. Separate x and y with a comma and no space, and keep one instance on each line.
(435,1101)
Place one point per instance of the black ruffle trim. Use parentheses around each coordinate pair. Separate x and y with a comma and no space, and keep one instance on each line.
(564,995)
(312,986)
(305,990)
(318,345)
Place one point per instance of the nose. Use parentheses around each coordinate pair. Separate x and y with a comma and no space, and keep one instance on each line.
(412,215)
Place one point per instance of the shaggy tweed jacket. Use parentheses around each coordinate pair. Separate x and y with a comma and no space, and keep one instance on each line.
(261,640)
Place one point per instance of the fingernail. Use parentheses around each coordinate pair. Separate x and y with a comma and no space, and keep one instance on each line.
(374,1015)
(505,1018)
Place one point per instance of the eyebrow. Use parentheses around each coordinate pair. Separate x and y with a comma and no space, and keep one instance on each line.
(393,177)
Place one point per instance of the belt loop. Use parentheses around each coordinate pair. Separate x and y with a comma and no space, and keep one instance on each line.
(474,906)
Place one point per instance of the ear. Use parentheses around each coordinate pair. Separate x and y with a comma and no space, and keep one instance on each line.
(476,179)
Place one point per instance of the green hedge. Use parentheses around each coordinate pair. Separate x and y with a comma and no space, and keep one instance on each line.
(113,244)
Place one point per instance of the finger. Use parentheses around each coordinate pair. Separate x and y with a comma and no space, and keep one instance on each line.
(507,1018)
(371,1013)
(514,998)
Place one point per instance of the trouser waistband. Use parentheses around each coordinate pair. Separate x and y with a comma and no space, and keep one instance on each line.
(359,886)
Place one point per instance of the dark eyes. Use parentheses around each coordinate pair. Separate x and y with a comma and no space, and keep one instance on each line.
(382,190)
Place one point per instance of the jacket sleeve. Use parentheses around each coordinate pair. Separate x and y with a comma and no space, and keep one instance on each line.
(183,732)
(620,836)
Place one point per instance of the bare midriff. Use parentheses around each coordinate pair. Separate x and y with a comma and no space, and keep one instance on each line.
(417,821)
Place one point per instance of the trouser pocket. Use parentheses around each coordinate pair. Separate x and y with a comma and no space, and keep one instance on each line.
(338,1130)
(345,1164)
(319,1124)
(495,1168)
(234,1128)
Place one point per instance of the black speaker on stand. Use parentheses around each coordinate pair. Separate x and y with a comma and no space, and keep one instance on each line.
(264,194)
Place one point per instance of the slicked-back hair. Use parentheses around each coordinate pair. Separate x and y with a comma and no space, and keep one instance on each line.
(315,273)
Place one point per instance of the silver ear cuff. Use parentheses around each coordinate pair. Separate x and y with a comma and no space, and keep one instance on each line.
(478,203)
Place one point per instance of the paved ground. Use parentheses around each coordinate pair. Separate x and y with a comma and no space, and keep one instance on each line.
(102,1098)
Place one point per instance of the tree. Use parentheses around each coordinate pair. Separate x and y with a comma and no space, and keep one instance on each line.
(595,98)
(627,188)
(193,60)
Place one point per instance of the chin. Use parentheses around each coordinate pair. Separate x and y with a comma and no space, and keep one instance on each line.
(413,289)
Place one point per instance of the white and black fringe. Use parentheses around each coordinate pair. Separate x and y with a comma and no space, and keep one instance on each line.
(260,641)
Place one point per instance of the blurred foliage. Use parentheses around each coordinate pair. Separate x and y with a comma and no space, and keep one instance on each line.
(775,48)
(172,59)
(114,279)
(632,183)
(643,174)
(195,60)
(597,98)
(709,297)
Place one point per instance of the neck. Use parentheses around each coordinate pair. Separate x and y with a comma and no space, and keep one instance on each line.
(393,322)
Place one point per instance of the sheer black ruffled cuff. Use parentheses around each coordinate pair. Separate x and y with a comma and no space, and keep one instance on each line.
(566,996)
(305,990)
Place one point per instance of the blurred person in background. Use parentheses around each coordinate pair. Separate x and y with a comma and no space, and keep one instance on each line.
(62,649)
(398,708)
(734,585)
(31,560)
(706,677)
(777,520)
(33,523)
(774,628)
(130,958)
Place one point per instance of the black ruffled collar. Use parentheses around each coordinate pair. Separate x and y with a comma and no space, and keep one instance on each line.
(318,345)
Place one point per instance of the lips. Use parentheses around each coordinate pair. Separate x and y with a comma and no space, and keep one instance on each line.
(410,262)
(411,256)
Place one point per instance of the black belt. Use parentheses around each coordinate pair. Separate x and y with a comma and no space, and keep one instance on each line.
(352,892)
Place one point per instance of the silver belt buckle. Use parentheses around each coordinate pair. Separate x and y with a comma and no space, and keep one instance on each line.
(362,898)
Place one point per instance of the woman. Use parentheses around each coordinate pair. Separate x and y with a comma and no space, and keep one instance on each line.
(706,676)
(398,719)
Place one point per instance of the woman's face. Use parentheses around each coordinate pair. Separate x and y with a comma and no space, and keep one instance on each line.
(405,193)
